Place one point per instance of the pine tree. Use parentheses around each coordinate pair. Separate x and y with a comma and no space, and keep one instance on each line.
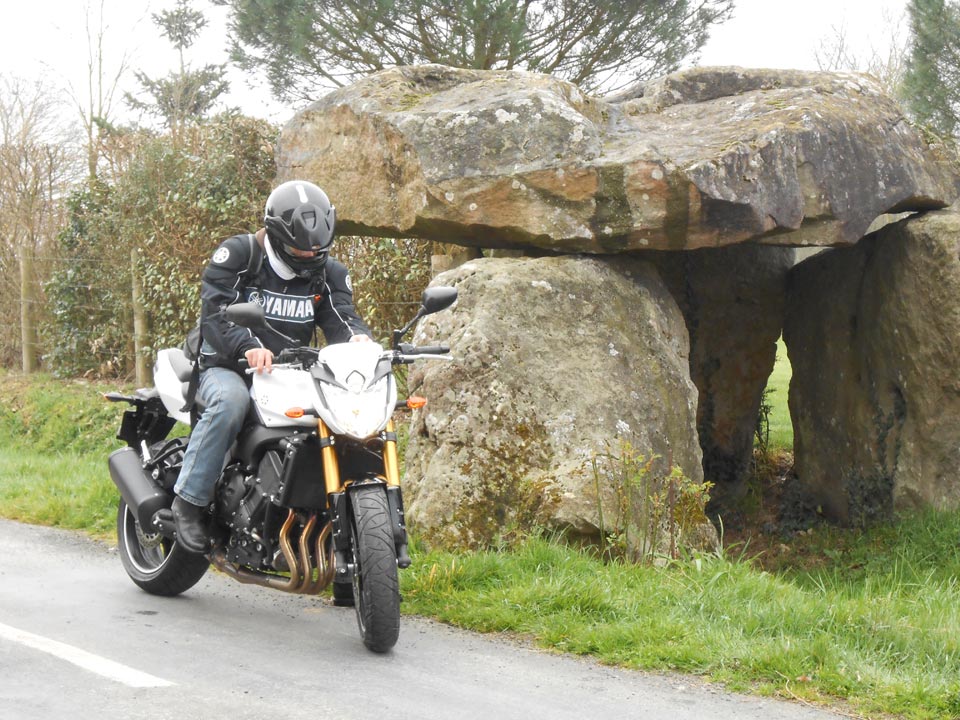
(186,94)
(308,45)
(931,83)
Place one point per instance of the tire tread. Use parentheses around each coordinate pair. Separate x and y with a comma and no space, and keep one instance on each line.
(378,607)
(179,572)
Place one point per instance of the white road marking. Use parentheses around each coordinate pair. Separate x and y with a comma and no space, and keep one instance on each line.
(81,658)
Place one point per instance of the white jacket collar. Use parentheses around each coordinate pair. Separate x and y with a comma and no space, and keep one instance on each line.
(278,265)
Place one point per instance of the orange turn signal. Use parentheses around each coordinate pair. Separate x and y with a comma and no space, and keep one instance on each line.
(414,402)
(294,412)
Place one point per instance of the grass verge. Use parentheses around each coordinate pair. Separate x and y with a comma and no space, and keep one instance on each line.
(876,629)
(66,491)
(54,440)
(867,621)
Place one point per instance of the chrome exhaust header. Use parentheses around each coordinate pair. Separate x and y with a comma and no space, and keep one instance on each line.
(311,569)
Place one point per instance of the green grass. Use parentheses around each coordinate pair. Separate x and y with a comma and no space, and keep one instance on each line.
(54,440)
(781,428)
(67,491)
(865,621)
(884,641)
(62,416)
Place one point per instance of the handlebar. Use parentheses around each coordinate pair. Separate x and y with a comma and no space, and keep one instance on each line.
(429,350)
(285,358)
(405,354)
(298,354)
(408,349)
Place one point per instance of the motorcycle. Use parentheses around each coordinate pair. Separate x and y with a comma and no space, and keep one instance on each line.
(309,495)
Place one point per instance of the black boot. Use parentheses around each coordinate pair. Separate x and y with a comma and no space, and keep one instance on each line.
(191,526)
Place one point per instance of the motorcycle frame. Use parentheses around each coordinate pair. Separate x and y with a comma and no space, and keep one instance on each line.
(148,422)
(335,562)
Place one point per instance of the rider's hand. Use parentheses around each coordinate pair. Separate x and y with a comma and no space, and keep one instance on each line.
(360,337)
(259,359)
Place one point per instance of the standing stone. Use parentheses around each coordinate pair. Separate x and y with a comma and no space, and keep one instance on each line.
(732,299)
(556,361)
(872,334)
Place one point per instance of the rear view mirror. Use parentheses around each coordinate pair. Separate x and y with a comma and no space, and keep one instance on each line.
(438,298)
(434,300)
(252,316)
(248,315)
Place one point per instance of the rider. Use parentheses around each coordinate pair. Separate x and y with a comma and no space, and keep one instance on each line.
(300,288)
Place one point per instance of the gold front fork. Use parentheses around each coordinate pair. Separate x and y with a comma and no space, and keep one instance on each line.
(391,463)
(331,468)
(328,455)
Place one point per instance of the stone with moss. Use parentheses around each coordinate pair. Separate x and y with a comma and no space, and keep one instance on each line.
(705,157)
(556,362)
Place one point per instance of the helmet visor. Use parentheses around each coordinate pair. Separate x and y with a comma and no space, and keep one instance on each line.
(310,254)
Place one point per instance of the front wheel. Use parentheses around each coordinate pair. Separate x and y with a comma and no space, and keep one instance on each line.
(376,587)
(155,563)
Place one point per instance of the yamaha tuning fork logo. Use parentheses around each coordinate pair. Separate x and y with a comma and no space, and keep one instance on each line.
(283,308)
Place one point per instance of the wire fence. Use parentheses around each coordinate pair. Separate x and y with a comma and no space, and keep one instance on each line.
(98,323)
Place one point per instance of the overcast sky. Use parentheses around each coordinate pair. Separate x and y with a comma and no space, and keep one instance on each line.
(787,33)
(49,37)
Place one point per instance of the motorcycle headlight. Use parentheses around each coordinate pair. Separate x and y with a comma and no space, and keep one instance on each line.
(360,414)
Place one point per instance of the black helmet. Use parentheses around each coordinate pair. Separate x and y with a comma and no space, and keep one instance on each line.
(299,216)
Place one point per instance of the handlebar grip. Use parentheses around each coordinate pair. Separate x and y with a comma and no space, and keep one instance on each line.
(432,350)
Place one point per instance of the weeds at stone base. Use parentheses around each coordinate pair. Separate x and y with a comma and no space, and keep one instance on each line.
(654,515)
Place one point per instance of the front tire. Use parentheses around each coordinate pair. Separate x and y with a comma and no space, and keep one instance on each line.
(376,586)
(155,563)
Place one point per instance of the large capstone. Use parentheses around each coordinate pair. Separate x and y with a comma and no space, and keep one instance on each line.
(702,158)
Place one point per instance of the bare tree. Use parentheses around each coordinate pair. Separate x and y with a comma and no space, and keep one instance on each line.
(96,104)
(885,61)
(34,166)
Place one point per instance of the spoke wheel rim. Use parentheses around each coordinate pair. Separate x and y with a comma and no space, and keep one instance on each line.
(146,553)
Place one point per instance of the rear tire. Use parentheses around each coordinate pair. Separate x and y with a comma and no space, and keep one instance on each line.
(376,586)
(155,563)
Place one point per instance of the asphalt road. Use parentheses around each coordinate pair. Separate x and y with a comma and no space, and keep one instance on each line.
(79,640)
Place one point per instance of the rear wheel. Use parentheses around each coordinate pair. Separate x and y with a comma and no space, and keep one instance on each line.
(155,563)
(376,587)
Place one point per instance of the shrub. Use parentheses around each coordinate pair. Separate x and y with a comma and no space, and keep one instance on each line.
(172,203)
(653,515)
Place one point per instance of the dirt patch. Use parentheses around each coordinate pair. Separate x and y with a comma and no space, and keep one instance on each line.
(768,521)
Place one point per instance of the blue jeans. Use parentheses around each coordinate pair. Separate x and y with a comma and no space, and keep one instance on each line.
(226,399)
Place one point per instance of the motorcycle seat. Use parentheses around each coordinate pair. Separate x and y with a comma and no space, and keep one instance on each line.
(182,367)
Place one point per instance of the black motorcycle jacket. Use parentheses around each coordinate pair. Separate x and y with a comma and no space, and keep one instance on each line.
(293,307)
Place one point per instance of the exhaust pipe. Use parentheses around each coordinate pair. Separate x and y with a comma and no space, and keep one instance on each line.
(139,490)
